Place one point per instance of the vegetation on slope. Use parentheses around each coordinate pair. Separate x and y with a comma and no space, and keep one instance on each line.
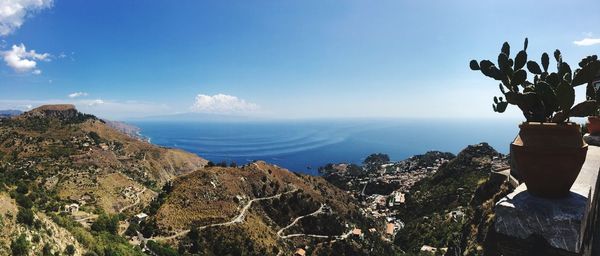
(54,156)
(436,208)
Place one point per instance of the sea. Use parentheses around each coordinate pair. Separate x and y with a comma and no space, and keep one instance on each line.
(304,145)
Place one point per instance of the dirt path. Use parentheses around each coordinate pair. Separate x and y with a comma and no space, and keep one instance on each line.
(318,211)
(238,219)
(86,218)
(335,238)
(137,201)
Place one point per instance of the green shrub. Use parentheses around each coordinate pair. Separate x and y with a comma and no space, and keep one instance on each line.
(161,250)
(22,188)
(23,201)
(20,246)
(106,223)
(70,250)
(95,137)
(47,250)
(25,216)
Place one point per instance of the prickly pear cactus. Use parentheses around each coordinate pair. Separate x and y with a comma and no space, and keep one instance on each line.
(551,95)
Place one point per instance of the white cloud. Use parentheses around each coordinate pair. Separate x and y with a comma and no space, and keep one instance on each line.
(77,94)
(93,103)
(587,41)
(14,12)
(36,72)
(222,104)
(21,60)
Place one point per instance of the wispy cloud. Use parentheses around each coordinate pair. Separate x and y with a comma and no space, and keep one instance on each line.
(21,60)
(222,104)
(587,41)
(14,12)
(96,102)
(77,94)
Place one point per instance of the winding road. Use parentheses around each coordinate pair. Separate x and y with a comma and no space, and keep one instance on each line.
(318,211)
(238,219)
(137,201)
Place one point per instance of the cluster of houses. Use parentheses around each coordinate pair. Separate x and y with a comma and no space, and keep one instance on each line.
(130,192)
(87,142)
(71,208)
(405,173)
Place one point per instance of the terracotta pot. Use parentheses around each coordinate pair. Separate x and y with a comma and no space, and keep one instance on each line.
(549,157)
(593,125)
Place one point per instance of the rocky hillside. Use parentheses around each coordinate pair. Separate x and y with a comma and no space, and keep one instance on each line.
(443,209)
(54,156)
(83,159)
(128,129)
(259,209)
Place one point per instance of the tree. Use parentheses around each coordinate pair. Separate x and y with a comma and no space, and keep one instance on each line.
(20,246)
(70,250)
(133,228)
(148,228)
(161,250)
(106,223)
(354,170)
(22,188)
(47,250)
(95,137)
(23,201)
(374,161)
(194,236)
(25,216)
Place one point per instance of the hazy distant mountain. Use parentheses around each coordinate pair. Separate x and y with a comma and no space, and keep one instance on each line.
(9,113)
(126,128)
(197,117)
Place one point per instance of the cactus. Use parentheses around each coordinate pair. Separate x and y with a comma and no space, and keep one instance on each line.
(551,96)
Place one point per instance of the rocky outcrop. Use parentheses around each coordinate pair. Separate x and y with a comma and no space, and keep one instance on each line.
(458,188)
(62,112)
(477,234)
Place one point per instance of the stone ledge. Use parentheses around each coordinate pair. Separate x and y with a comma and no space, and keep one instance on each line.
(564,224)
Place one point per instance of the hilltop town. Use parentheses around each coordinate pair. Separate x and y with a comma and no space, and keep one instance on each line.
(383,187)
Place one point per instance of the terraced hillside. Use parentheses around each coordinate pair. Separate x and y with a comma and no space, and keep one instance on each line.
(59,156)
(259,209)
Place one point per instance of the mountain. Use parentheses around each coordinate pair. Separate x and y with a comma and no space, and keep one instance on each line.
(126,128)
(54,156)
(442,209)
(261,209)
(70,182)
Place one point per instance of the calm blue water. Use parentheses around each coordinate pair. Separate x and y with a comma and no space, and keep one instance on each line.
(303,146)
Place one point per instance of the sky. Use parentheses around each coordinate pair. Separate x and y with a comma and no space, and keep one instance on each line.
(280,59)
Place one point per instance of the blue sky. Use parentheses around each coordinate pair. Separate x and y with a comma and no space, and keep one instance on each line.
(283,59)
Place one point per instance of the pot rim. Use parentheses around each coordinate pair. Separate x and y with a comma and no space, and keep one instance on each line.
(548,124)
